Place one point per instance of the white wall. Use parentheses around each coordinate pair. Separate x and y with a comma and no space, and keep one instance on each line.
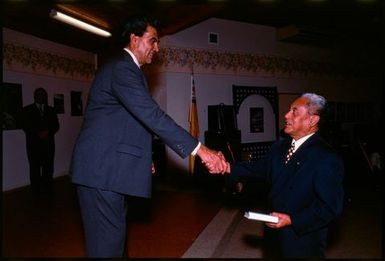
(15,163)
(244,38)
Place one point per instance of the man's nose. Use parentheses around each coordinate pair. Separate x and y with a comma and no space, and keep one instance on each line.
(287,115)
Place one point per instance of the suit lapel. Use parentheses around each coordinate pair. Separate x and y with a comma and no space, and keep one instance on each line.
(299,157)
(129,59)
(289,171)
(310,141)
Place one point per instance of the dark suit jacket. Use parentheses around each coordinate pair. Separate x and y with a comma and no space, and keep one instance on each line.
(113,150)
(32,123)
(309,188)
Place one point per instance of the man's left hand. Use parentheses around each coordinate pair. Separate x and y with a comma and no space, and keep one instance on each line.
(283,220)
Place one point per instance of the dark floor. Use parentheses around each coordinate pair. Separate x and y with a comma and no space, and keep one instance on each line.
(50,225)
(43,226)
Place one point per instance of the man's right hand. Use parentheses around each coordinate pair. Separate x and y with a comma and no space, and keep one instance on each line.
(214,161)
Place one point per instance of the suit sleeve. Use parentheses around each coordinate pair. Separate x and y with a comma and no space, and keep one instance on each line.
(130,86)
(249,170)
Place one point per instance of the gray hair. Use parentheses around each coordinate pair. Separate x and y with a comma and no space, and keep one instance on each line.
(316,104)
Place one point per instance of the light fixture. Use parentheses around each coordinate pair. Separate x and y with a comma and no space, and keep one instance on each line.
(77,23)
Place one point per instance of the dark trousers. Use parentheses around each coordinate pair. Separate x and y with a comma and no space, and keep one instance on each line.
(41,164)
(104,222)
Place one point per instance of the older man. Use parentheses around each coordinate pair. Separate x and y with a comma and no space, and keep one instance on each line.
(306,177)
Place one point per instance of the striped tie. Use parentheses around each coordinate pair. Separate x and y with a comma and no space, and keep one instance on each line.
(290,153)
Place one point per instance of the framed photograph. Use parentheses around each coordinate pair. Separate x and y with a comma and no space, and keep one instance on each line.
(256,120)
(11,105)
(58,103)
(76,103)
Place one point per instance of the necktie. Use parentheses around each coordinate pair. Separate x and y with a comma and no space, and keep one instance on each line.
(290,153)
(41,110)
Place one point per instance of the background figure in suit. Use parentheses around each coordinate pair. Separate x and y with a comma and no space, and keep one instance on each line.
(112,155)
(40,123)
(306,192)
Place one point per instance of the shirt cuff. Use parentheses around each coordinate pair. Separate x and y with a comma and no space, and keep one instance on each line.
(194,152)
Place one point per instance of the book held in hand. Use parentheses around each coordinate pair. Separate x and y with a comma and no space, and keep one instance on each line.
(261,217)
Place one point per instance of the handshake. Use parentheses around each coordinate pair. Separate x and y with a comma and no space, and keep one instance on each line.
(214,161)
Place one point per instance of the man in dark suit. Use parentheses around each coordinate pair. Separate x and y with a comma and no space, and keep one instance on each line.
(112,155)
(40,123)
(306,191)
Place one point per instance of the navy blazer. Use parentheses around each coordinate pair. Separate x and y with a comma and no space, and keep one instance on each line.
(309,188)
(114,147)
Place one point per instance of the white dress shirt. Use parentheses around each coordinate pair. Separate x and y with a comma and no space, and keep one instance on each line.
(299,142)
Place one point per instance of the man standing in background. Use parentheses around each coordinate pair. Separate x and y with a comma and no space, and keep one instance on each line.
(40,123)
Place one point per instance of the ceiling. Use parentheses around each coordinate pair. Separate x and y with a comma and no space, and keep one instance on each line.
(318,22)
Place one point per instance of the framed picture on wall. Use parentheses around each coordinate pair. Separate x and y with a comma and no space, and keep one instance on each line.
(58,103)
(257,116)
(256,120)
(76,103)
(11,105)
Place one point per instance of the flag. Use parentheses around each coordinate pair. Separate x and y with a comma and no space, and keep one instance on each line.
(193,120)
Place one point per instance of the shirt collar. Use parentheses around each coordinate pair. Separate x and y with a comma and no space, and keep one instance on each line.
(133,57)
(300,141)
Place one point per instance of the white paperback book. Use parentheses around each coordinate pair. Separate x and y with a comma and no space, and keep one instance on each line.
(261,217)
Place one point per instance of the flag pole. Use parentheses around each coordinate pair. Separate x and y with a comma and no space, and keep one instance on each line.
(193,119)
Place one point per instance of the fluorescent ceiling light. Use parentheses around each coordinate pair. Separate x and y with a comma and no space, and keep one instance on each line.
(77,23)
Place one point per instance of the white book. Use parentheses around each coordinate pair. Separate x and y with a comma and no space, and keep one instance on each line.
(261,217)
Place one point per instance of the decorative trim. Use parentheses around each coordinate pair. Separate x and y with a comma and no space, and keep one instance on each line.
(212,59)
(33,58)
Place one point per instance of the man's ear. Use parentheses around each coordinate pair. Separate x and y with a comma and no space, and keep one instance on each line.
(314,119)
(132,39)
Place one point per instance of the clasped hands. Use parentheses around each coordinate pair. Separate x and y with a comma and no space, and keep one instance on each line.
(214,161)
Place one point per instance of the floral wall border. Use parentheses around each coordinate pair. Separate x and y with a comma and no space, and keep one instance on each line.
(33,58)
(212,59)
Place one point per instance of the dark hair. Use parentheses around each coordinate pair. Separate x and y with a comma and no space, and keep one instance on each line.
(40,90)
(137,25)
